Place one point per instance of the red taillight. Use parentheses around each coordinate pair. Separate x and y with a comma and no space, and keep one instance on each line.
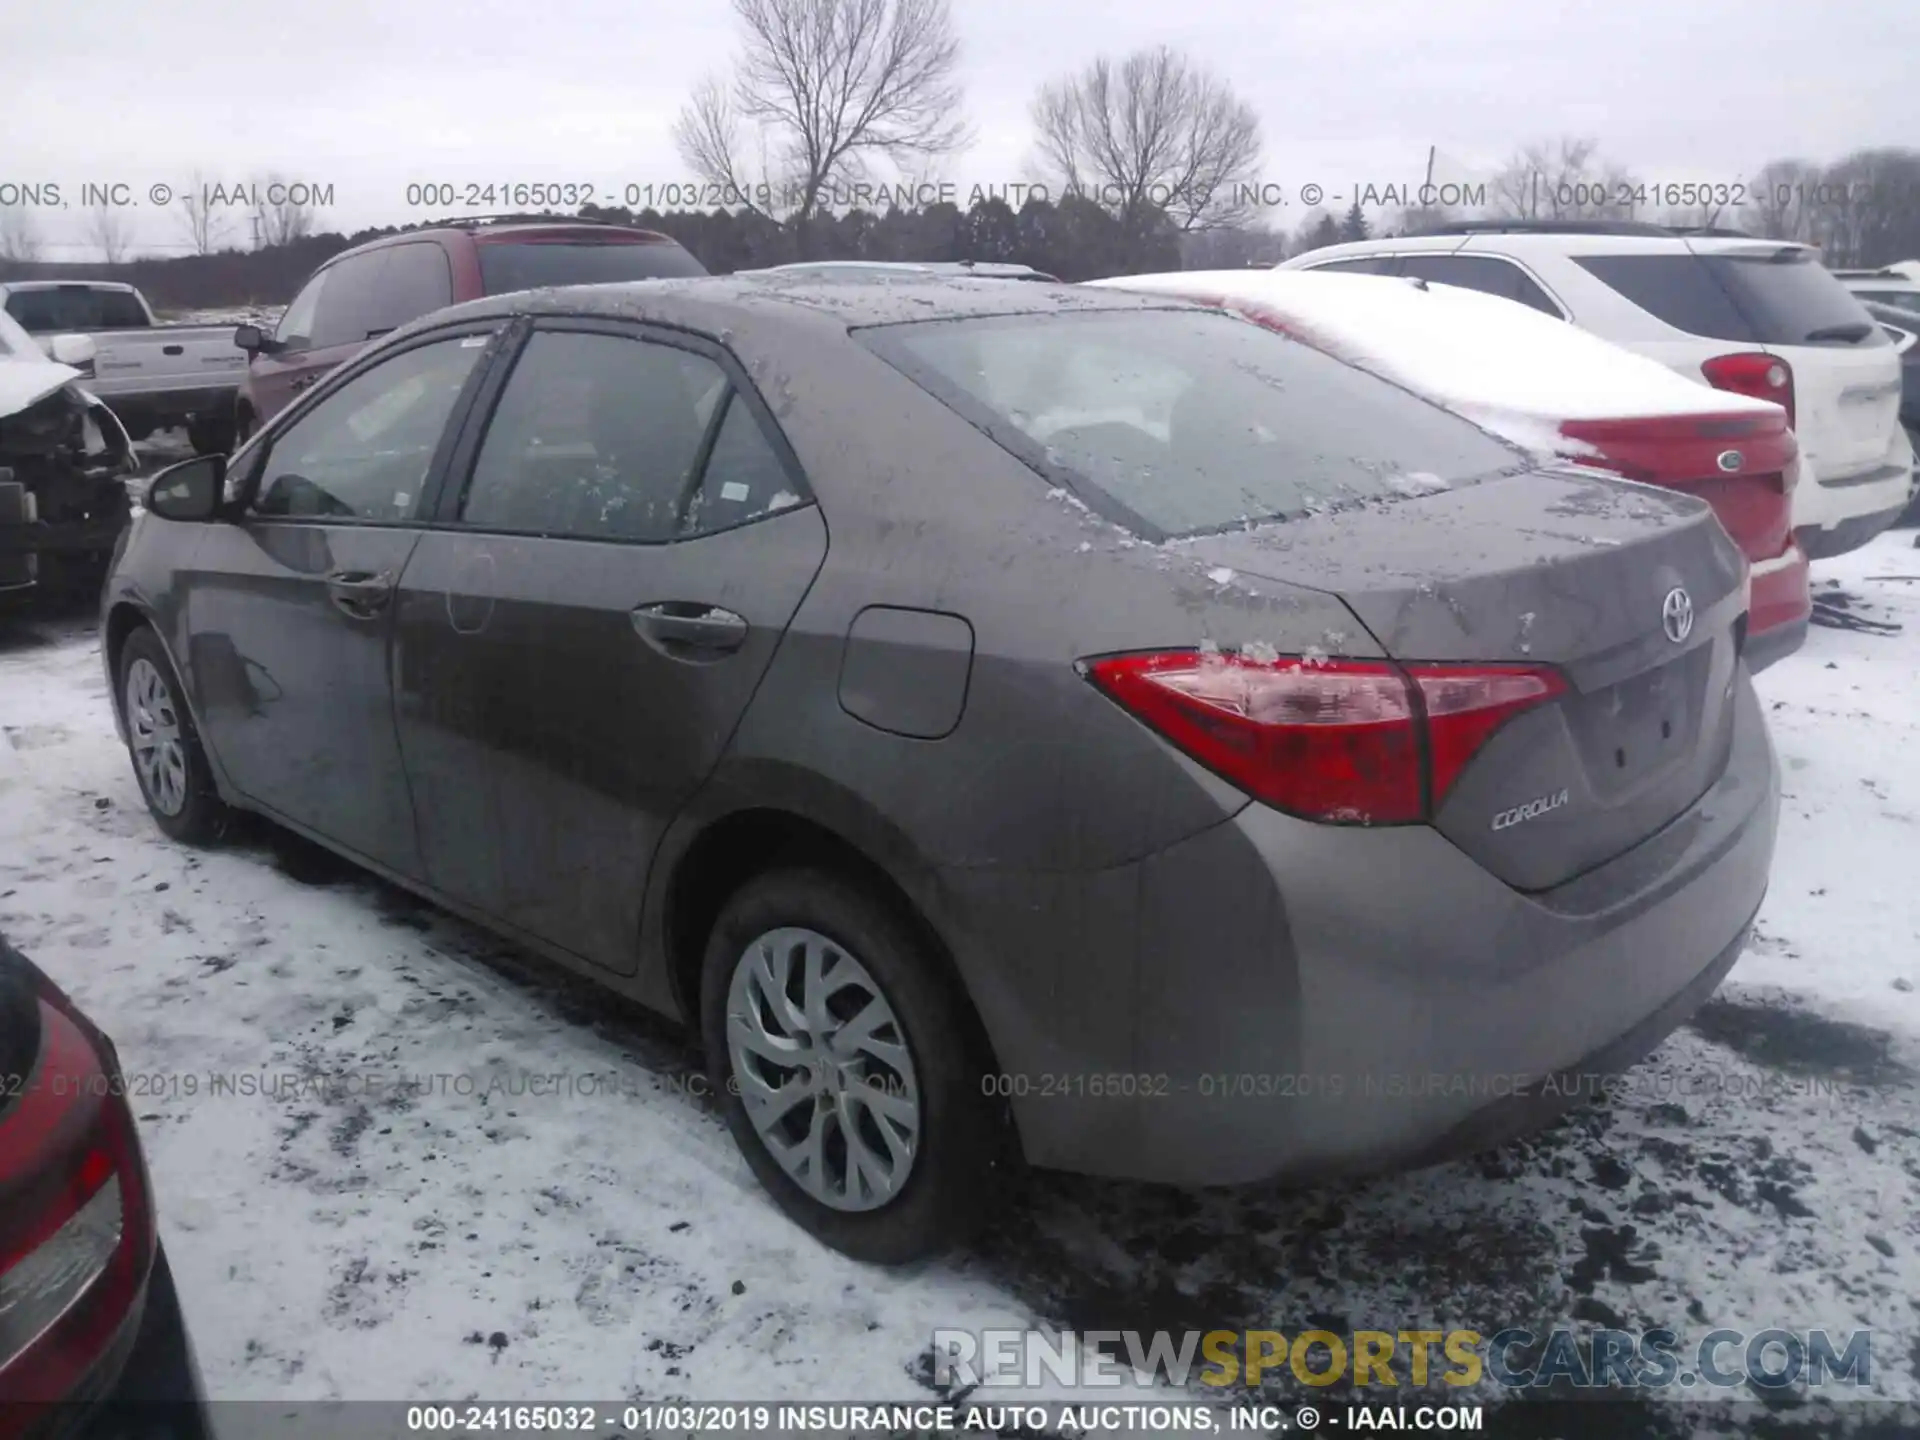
(1755,373)
(1346,742)
(76,1226)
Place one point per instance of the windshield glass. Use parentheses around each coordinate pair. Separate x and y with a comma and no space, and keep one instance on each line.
(1178,422)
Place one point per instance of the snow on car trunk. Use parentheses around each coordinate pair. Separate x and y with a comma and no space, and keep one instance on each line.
(1536,381)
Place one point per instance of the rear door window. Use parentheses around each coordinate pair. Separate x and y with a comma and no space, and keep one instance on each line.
(595,437)
(1365,265)
(1485,273)
(1764,298)
(533,264)
(1179,422)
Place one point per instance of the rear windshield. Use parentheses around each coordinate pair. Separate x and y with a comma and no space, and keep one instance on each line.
(1180,422)
(532,265)
(1781,298)
(76,307)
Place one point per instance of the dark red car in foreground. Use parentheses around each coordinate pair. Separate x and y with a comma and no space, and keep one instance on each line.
(92,1342)
(362,293)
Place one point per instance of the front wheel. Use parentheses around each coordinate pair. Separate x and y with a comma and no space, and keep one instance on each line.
(836,1049)
(167,757)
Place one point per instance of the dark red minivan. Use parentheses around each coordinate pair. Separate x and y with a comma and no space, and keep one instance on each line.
(362,293)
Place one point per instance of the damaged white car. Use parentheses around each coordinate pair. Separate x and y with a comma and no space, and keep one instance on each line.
(64,463)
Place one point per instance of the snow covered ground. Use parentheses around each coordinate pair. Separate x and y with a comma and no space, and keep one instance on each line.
(384,1226)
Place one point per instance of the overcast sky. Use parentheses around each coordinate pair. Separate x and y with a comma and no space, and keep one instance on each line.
(370,95)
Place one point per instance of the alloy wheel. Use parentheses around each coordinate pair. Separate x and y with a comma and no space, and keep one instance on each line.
(153,724)
(824,1070)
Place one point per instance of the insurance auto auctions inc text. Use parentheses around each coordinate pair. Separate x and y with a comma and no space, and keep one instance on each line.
(1512,1359)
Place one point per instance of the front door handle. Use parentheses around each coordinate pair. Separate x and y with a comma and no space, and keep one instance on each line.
(358,594)
(677,627)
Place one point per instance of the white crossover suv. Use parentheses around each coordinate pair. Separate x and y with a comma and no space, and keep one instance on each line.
(1759,317)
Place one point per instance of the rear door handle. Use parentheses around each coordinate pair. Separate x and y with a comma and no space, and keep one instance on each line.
(356,593)
(675,627)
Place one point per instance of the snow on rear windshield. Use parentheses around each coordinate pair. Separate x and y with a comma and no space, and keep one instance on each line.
(1188,421)
(506,265)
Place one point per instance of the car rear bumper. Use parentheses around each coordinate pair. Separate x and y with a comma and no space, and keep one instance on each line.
(1276,999)
(1833,516)
(158,1393)
(1845,535)
(1780,607)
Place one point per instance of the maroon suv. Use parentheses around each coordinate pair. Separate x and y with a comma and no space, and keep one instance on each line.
(364,292)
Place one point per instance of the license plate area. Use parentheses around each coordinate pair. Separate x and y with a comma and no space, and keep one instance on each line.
(1643,726)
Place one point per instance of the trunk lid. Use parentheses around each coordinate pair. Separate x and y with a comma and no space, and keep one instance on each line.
(1846,404)
(1743,465)
(1559,569)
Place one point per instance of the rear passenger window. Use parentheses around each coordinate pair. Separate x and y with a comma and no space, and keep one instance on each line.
(595,437)
(1488,275)
(743,478)
(1368,265)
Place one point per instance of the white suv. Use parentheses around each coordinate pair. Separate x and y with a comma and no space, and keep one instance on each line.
(1760,317)
(1886,287)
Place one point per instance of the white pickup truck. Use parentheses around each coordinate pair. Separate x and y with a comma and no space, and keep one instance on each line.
(154,376)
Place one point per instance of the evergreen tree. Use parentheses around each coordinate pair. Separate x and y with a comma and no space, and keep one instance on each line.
(1354,226)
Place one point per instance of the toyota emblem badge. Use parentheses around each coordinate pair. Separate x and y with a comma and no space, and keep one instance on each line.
(1676,614)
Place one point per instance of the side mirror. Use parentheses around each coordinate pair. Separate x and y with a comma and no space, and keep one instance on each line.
(189,490)
(253,340)
(79,351)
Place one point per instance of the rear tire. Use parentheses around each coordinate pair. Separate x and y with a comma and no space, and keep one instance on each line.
(168,761)
(886,1057)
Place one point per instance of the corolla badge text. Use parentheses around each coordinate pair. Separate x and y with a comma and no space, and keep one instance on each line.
(1532,810)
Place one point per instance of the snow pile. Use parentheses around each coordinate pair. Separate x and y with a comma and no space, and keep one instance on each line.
(1508,368)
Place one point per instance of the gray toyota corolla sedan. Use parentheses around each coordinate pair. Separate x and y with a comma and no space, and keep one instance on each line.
(1010,721)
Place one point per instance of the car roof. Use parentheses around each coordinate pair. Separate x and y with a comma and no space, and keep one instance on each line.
(488,228)
(986,269)
(1556,242)
(716,302)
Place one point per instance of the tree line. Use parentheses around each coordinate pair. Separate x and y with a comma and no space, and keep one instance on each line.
(1147,161)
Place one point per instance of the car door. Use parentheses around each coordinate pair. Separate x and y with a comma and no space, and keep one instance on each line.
(580,634)
(288,603)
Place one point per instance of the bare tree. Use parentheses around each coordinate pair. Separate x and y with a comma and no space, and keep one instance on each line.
(202,221)
(107,227)
(826,87)
(1779,200)
(18,238)
(1563,180)
(281,213)
(1152,134)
